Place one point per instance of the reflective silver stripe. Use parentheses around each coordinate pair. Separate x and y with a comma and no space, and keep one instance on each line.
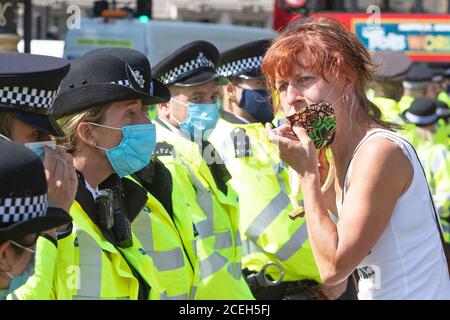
(211,265)
(223,240)
(235,269)
(204,228)
(438,162)
(163,295)
(267,216)
(238,239)
(205,201)
(293,244)
(249,247)
(278,169)
(194,246)
(90,266)
(193,292)
(142,229)
(180,297)
(167,260)
(78,297)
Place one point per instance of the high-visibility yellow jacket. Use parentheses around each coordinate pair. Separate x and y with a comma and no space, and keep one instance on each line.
(216,250)
(261,181)
(39,285)
(390,109)
(405,103)
(444,97)
(91,267)
(435,159)
(161,240)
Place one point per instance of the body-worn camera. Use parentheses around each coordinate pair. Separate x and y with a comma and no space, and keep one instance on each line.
(112,218)
(122,226)
(105,213)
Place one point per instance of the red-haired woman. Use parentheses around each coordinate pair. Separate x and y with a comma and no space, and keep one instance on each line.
(386,226)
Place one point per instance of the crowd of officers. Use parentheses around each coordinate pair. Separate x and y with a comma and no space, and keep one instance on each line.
(161,183)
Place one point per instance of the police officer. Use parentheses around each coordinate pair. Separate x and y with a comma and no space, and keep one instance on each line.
(24,214)
(28,86)
(443,131)
(415,85)
(245,95)
(389,77)
(262,183)
(183,125)
(178,196)
(436,85)
(444,95)
(102,109)
(435,157)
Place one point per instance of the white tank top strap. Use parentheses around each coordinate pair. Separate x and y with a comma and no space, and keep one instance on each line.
(403,144)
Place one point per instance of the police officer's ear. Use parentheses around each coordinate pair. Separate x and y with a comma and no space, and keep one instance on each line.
(5,256)
(163,110)
(230,92)
(86,134)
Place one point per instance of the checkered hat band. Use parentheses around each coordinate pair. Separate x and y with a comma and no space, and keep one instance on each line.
(127,83)
(29,97)
(13,210)
(240,66)
(174,74)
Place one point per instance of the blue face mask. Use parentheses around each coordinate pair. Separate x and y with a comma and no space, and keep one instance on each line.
(134,151)
(38,147)
(18,281)
(200,117)
(256,103)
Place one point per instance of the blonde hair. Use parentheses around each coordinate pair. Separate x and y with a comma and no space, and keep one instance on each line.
(69,125)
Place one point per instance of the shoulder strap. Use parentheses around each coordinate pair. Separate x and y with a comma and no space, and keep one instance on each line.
(436,216)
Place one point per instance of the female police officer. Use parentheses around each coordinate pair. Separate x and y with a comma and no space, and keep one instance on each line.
(28,86)
(109,135)
(24,214)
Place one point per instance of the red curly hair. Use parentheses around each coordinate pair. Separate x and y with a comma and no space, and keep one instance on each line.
(330,49)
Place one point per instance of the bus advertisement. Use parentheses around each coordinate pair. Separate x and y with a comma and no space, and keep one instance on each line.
(424,37)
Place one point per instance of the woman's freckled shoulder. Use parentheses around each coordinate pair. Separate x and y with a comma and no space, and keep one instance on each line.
(383,154)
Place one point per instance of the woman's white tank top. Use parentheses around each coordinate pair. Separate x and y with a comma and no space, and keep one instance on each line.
(408,260)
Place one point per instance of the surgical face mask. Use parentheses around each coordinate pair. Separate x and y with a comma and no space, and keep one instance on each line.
(200,117)
(38,147)
(319,121)
(256,103)
(19,280)
(134,151)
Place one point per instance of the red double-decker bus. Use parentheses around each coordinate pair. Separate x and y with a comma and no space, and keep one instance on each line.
(425,37)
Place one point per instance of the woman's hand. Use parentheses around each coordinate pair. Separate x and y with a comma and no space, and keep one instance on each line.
(324,292)
(61,177)
(297,150)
